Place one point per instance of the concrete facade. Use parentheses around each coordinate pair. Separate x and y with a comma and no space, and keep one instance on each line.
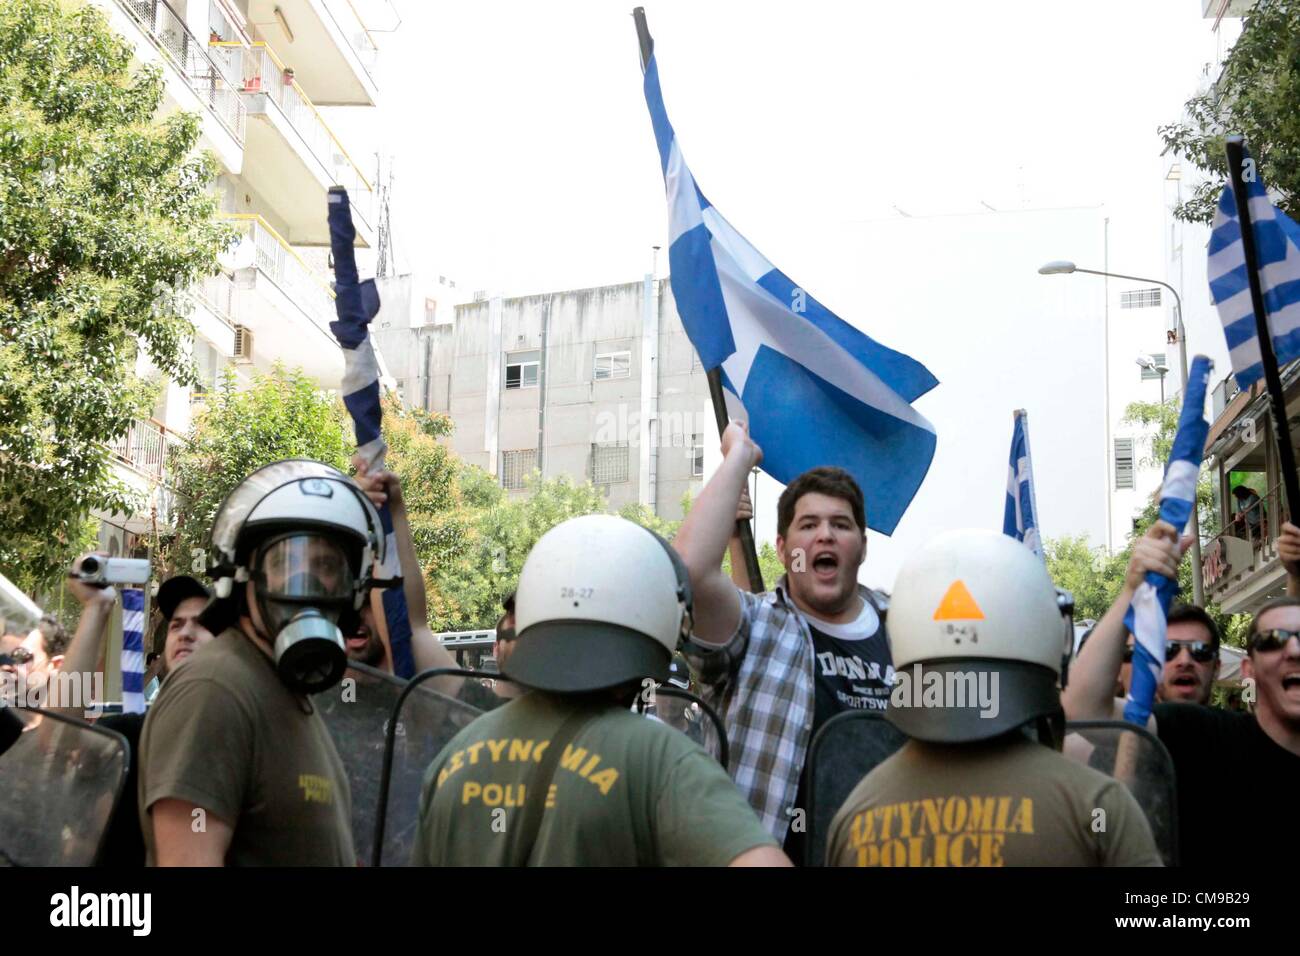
(629,426)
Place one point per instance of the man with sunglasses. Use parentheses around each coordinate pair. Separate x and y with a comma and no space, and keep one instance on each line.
(1215,752)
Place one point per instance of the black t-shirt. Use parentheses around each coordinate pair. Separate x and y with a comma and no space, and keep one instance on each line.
(124,843)
(1224,763)
(852,670)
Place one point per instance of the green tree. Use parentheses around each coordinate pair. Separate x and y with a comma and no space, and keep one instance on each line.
(1256,96)
(1086,572)
(103,214)
(281,415)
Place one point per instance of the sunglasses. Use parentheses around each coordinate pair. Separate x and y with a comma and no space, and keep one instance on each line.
(18,657)
(1202,651)
(1273,640)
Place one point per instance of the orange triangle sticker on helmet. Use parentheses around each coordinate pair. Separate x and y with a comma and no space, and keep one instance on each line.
(958,605)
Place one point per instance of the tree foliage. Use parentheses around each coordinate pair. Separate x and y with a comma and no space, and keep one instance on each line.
(103,214)
(1255,96)
(281,415)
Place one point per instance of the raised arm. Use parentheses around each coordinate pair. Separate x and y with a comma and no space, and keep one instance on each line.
(384,487)
(87,644)
(1288,549)
(1089,695)
(703,537)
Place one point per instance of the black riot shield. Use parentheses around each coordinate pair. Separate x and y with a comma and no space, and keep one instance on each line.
(421,722)
(682,710)
(851,745)
(358,713)
(60,781)
(846,749)
(1135,757)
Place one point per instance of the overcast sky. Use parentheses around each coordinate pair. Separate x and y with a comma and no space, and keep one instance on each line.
(525,162)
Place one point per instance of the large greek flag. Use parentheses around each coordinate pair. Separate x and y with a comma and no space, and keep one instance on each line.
(1147,615)
(814,389)
(1020,517)
(1277,247)
(357,303)
(132,651)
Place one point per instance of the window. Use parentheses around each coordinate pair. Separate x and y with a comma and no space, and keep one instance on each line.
(609,463)
(1150,372)
(697,455)
(613,365)
(209,363)
(1139,298)
(516,466)
(521,369)
(1123,463)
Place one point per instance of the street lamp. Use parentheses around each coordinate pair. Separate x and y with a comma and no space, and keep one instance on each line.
(1147,362)
(1065,267)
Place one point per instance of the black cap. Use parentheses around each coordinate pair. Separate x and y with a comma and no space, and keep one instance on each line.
(175,590)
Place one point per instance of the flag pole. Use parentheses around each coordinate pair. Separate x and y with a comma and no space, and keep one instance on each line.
(743,530)
(1277,400)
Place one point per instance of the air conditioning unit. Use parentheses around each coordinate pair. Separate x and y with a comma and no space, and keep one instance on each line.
(243,344)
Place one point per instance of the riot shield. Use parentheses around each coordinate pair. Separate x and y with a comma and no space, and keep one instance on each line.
(358,714)
(60,782)
(846,749)
(682,710)
(1135,757)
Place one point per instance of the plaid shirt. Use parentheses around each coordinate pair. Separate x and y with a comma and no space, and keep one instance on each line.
(762,685)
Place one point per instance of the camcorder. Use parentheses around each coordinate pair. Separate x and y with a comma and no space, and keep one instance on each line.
(105,571)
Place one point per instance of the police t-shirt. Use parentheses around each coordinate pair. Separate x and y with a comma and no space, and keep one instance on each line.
(226,735)
(626,792)
(1222,758)
(1005,802)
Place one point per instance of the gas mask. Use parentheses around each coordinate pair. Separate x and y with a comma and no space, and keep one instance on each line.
(305,591)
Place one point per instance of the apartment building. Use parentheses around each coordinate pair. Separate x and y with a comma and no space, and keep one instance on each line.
(599,384)
(256,72)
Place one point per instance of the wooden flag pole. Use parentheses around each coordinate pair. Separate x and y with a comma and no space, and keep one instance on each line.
(1277,400)
(743,530)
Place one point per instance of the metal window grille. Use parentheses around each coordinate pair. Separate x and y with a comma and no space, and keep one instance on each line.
(516,466)
(613,365)
(609,463)
(1123,463)
(697,455)
(1139,298)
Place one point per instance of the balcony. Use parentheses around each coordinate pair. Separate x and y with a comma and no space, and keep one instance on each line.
(290,304)
(194,83)
(328,45)
(292,155)
(144,448)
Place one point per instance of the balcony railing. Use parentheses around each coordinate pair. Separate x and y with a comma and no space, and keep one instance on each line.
(345,16)
(275,257)
(219,294)
(226,41)
(190,58)
(143,447)
(263,72)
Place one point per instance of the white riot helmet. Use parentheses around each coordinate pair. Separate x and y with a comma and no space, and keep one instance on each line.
(972,610)
(601,601)
(311,542)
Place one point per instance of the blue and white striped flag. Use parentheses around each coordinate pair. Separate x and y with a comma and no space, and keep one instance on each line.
(814,389)
(1277,247)
(1020,518)
(357,303)
(132,651)
(1147,615)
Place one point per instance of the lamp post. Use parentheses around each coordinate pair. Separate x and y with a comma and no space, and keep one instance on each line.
(1064,267)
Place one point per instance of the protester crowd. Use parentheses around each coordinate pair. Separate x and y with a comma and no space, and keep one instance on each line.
(232,764)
